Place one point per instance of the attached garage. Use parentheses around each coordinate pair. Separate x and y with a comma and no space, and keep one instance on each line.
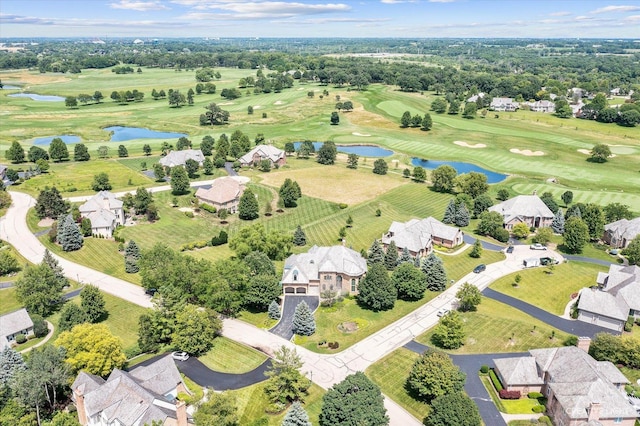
(601,320)
(289,290)
(301,290)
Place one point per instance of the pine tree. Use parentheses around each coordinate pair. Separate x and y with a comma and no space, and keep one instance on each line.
(450,212)
(131,258)
(558,222)
(391,256)
(376,254)
(476,251)
(417,261)
(248,206)
(303,322)
(405,256)
(435,274)
(573,211)
(296,416)
(274,310)
(53,264)
(375,290)
(299,237)
(11,362)
(69,235)
(462,216)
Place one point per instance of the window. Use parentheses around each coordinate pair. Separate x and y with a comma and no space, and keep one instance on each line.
(339,282)
(327,277)
(353,284)
(617,420)
(324,286)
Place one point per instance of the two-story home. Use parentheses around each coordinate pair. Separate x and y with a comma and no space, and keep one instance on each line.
(419,236)
(12,324)
(542,106)
(619,234)
(253,158)
(104,211)
(527,209)
(504,104)
(224,193)
(179,158)
(335,268)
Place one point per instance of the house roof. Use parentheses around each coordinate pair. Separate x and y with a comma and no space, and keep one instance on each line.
(222,190)
(620,293)
(603,303)
(179,158)
(269,152)
(522,206)
(160,377)
(518,371)
(102,200)
(503,101)
(15,322)
(336,259)
(576,399)
(101,218)
(624,228)
(416,234)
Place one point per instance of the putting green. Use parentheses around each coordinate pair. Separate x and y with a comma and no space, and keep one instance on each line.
(397,108)
(623,150)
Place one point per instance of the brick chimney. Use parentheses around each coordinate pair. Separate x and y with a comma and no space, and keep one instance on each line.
(584,343)
(594,411)
(82,413)
(181,413)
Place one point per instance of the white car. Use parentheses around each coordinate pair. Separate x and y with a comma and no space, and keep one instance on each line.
(537,246)
(180,356)
(442,312)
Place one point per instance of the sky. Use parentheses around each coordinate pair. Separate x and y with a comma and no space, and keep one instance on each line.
(313,18)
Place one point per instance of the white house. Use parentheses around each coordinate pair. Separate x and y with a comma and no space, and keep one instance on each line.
(419,236)
(275,156)
(528,209)
(12,324)
(504,104)
(104,211)
(179,158)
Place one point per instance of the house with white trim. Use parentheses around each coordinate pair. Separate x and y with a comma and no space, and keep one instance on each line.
(527,209)
(419,236)
(504,104)
(105,212)
(179,158)
(253,158)
(12,324)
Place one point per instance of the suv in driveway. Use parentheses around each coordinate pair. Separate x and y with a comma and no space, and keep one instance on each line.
(509,249)
(537,246)
(548,261)
(180,356)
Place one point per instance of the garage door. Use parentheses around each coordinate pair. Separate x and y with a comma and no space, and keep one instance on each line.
(289,290)
(301,290)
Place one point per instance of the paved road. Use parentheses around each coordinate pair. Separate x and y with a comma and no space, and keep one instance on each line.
(485,244)
(589,260)
(228,166)
(284,328)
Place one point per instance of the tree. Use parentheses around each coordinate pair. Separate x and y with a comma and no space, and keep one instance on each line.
(454,107)
(36,153)
(376,253)
(8,263)
(42,164)
(208,142)
(11,363)
(472,183)
(214,115)
(354,401)
(81,153)
(375,290)
(439,105)
(286,383)
(289,148)
(327,153)
(335,118)
(290,193)
(434,375)
(58,150)
(576,235)
(567,197)
(296,416)
(131,258)
(70,316)
(444,178)
(176,99)
(191,166)
(476,251)
(600,153)
(454,409)
(633,251)
(92,303)
(547,199)
(503,194)
(563,109)
(179,181)
(470,110)
(409,281)
(262,290)
(207,166)
(142,200)
(158,172)
(299,237)
(520,230)
(52,263)
(12,175)
(274,310)
(352,161)
(101,182)
(629,118)
(391,255)
(303,322)
(433,269)
(15,153)
(220,410)
(593,216)
(69,236)
(98,96)
(427,122)
(469,297)
(449,333)
(405,256)
(248,206)
(558,222)
(419,174)
(195,329)
(450,212)
(122,151)
(92,348)
(103,151)
(480,204)
(462,215)
(251,238)
(489,222)
(70,102)
(616,211)
(405,120)
(380,167)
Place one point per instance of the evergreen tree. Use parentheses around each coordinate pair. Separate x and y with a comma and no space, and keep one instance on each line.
(573,211)
(417,261)
(55,267)
(450,212)
(558,222)
(122,151)
(11,362)
(303,322)
(131,258)
(476,251)
(409,282)
(427,122)
(274,310)
(69,235)
(179,180)
(376,253)
(462,216)
(248,206)
(405,257)
(70,316)
(354,401)
(391,256)
(296,416)
(85,227)
(50,204)
(299,237)
(376,291)
(435,274)
(92,303)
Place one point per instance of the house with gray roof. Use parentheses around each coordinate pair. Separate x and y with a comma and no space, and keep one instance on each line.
(179,158)
(542,106)
(335,268)
(620,233)
(527,209)
(224,193)
(12,324)
(503,104)
(419,236)
(253,158)
(616,297)
(141,396)
(580,390)
(104,211)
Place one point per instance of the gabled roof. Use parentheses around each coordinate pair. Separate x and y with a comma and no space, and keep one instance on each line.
(269,152)
(179,158)
(522,206)
(15,322)
(416,234)
(576,399)
(309,266)
(160,377)
(101,218)
(620,293)
(624,228)
(102,200)
(222,190)
(518,371)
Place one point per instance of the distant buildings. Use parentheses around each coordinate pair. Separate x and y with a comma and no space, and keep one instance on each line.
(619,234)
(504,104)
(179,158)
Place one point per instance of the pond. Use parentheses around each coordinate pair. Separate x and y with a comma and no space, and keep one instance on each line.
(46,140)
(492,177)
(10,87)
(361,150)
(36,97)
(122,134)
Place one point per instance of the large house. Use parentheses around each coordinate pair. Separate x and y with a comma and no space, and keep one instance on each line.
(615,299)
(503,104)
(12,324)
(224,193)
(179,158)
(528,209)
(580,390)
(275,156)
(542,106)
(335,268)
(104,211)
(619,234)
(143,396)
(419,236)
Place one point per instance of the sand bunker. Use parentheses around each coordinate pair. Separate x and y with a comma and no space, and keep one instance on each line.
(226,103)
(467,145)
(278,103)
(257,106)
(360,134)
(526,152)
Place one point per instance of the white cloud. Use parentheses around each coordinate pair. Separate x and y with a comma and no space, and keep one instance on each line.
(615,9)
(562,13)
(633,18)
(140,6)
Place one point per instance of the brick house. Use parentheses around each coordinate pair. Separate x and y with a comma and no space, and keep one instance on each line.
(527,209)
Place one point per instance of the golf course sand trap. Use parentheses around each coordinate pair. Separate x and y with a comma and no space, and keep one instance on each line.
(526,152)
(226,103)
(257,106)
(467,145)
(278,103)
(588,152)
(360,134)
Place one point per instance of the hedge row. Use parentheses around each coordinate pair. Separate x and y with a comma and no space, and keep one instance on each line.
(495,381)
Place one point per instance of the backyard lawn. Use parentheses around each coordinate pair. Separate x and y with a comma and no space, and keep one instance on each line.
(228,356)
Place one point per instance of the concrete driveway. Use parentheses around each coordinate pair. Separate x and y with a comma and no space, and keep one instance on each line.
(284,328)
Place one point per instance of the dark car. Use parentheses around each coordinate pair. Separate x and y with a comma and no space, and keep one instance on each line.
(548,261)
(509,249)
(479,268)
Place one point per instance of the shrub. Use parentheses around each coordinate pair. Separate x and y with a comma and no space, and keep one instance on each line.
(221,239)
(501,235)
(545,420)
(538,409)
(343,206)
(484,369)
(132,352)
(534,395)
(208,208)
(495,381)
(189,214)
(628,326)
(507,394)
(20,338)
(72,189)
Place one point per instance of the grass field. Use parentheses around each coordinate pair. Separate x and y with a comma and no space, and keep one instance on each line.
(228,356)
(497,327)
(550,292)
(22,262)
(461,264)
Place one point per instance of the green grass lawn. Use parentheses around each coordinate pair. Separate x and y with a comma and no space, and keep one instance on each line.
(510,406)
(22,262)
(9,300)
(228,356)
(550,292)
(391,373)
(461,264)
(496,327)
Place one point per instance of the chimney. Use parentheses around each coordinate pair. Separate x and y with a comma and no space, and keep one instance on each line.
(82,413)
(584,343)
(181,413)
(594,411)
(535,192)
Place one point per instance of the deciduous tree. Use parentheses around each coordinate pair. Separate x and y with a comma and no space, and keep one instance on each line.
(427,122)
(444,178)
(81,153)
(70,316)
(36,153)
(419,174)
(15,153)
(600,153)
(352,161)
(286,383)
(92,347)
(409,281)
(58,150)
(380,167)
(262,290)
(454,409)
(633,251)
(354,401)
(469,297)
(101,182)
(327,153)
(567,197)
(472,183)
(576,234)
(220,410)
(434,375)
(195,330)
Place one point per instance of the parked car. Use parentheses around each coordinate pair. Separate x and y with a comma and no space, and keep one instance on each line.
(509,249)
(537,246)
(479,268)
(548,261)
(442,312)
(180,356)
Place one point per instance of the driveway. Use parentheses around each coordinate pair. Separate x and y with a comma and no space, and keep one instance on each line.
(284,326)
(590,260)
(228,166)
(485,244)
